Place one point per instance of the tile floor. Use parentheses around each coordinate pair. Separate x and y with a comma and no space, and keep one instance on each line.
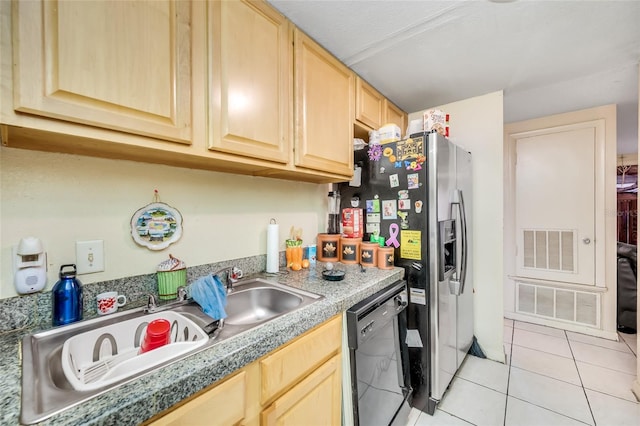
(552,377)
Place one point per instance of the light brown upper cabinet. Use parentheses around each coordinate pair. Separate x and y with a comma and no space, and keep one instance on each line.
(370,106)
(395,115)
(324,109)
(208,85)
(250,56)
(124,66)
(374,110)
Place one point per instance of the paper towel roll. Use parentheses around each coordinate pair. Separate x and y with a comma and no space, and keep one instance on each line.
(272,248)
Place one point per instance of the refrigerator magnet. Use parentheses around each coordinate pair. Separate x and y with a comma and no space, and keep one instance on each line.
(394,229)
(418,206)
(394,181)
(373,206)
(413,181)
(389,209)
(373,227)
(411,244)
(404,204)
(413,165)
(404,224)
(403,194)
(409,148)
(375,152)
(373,217)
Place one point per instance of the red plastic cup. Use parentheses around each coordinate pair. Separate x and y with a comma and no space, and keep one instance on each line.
(158,334)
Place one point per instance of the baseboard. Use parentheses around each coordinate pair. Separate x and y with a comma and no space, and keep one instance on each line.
(609,335)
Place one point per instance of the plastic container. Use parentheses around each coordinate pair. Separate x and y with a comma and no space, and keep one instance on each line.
(157,335)
(389,133)
(172,273)
(374,137)
(333,209)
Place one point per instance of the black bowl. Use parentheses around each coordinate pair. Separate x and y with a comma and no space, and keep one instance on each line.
(333,275)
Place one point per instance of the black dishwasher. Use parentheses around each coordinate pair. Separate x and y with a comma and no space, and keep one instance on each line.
(378,355)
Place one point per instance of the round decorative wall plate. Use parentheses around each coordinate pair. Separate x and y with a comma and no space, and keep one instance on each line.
(156,226)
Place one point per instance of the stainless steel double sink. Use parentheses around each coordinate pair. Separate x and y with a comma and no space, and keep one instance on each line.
(47,390)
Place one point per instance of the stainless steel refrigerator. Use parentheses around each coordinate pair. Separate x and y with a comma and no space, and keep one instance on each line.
(417,197)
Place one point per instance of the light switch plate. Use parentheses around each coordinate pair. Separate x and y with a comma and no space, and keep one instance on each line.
(89,256)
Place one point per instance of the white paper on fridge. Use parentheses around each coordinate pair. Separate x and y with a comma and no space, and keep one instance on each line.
(417,296)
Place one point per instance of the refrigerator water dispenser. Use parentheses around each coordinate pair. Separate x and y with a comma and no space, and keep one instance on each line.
(447,240)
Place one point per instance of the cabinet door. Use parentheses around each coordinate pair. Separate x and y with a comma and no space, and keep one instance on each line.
(251,78)
(121,65)
(222,404)
(314,401)
(369,105)
(288,365)
(324,96)
(395,115)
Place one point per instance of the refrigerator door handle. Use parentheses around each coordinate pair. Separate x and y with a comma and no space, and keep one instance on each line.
(456,284)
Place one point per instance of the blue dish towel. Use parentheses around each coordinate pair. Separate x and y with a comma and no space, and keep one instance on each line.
(211,295)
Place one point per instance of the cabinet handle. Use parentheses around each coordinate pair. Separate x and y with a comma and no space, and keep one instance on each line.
(586,240)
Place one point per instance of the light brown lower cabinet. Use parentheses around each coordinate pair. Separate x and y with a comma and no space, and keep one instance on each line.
(297,384)
(222,404)
(314,401)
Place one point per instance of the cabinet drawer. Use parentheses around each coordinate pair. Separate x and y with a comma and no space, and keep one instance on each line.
(287,366)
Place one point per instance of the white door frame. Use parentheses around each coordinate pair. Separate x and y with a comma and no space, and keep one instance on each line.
(607,213)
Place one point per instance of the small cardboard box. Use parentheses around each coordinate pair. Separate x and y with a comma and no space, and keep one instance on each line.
(310,254)
(436,120)
(352,223)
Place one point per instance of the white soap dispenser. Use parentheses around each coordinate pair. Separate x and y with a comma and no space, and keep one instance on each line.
(29,266)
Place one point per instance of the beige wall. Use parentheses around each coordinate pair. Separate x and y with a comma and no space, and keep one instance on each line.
(66,198)
(477,125)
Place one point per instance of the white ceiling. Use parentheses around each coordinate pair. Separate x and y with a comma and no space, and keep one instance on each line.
(548,56)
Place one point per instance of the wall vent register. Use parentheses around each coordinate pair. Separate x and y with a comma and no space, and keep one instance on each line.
(560,304)
(552,250)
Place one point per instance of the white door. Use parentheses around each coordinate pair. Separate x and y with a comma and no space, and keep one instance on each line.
(555,185)
(560,221)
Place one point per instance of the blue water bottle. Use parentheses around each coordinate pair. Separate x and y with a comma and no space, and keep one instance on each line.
(66,296)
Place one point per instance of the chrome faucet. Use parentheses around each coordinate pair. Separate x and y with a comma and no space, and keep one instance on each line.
(152,303)
(233,275)
(182,293)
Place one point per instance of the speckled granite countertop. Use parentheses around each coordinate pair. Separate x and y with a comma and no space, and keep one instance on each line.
(139,400)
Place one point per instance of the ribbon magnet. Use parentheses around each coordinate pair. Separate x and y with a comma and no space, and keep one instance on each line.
(394,230)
